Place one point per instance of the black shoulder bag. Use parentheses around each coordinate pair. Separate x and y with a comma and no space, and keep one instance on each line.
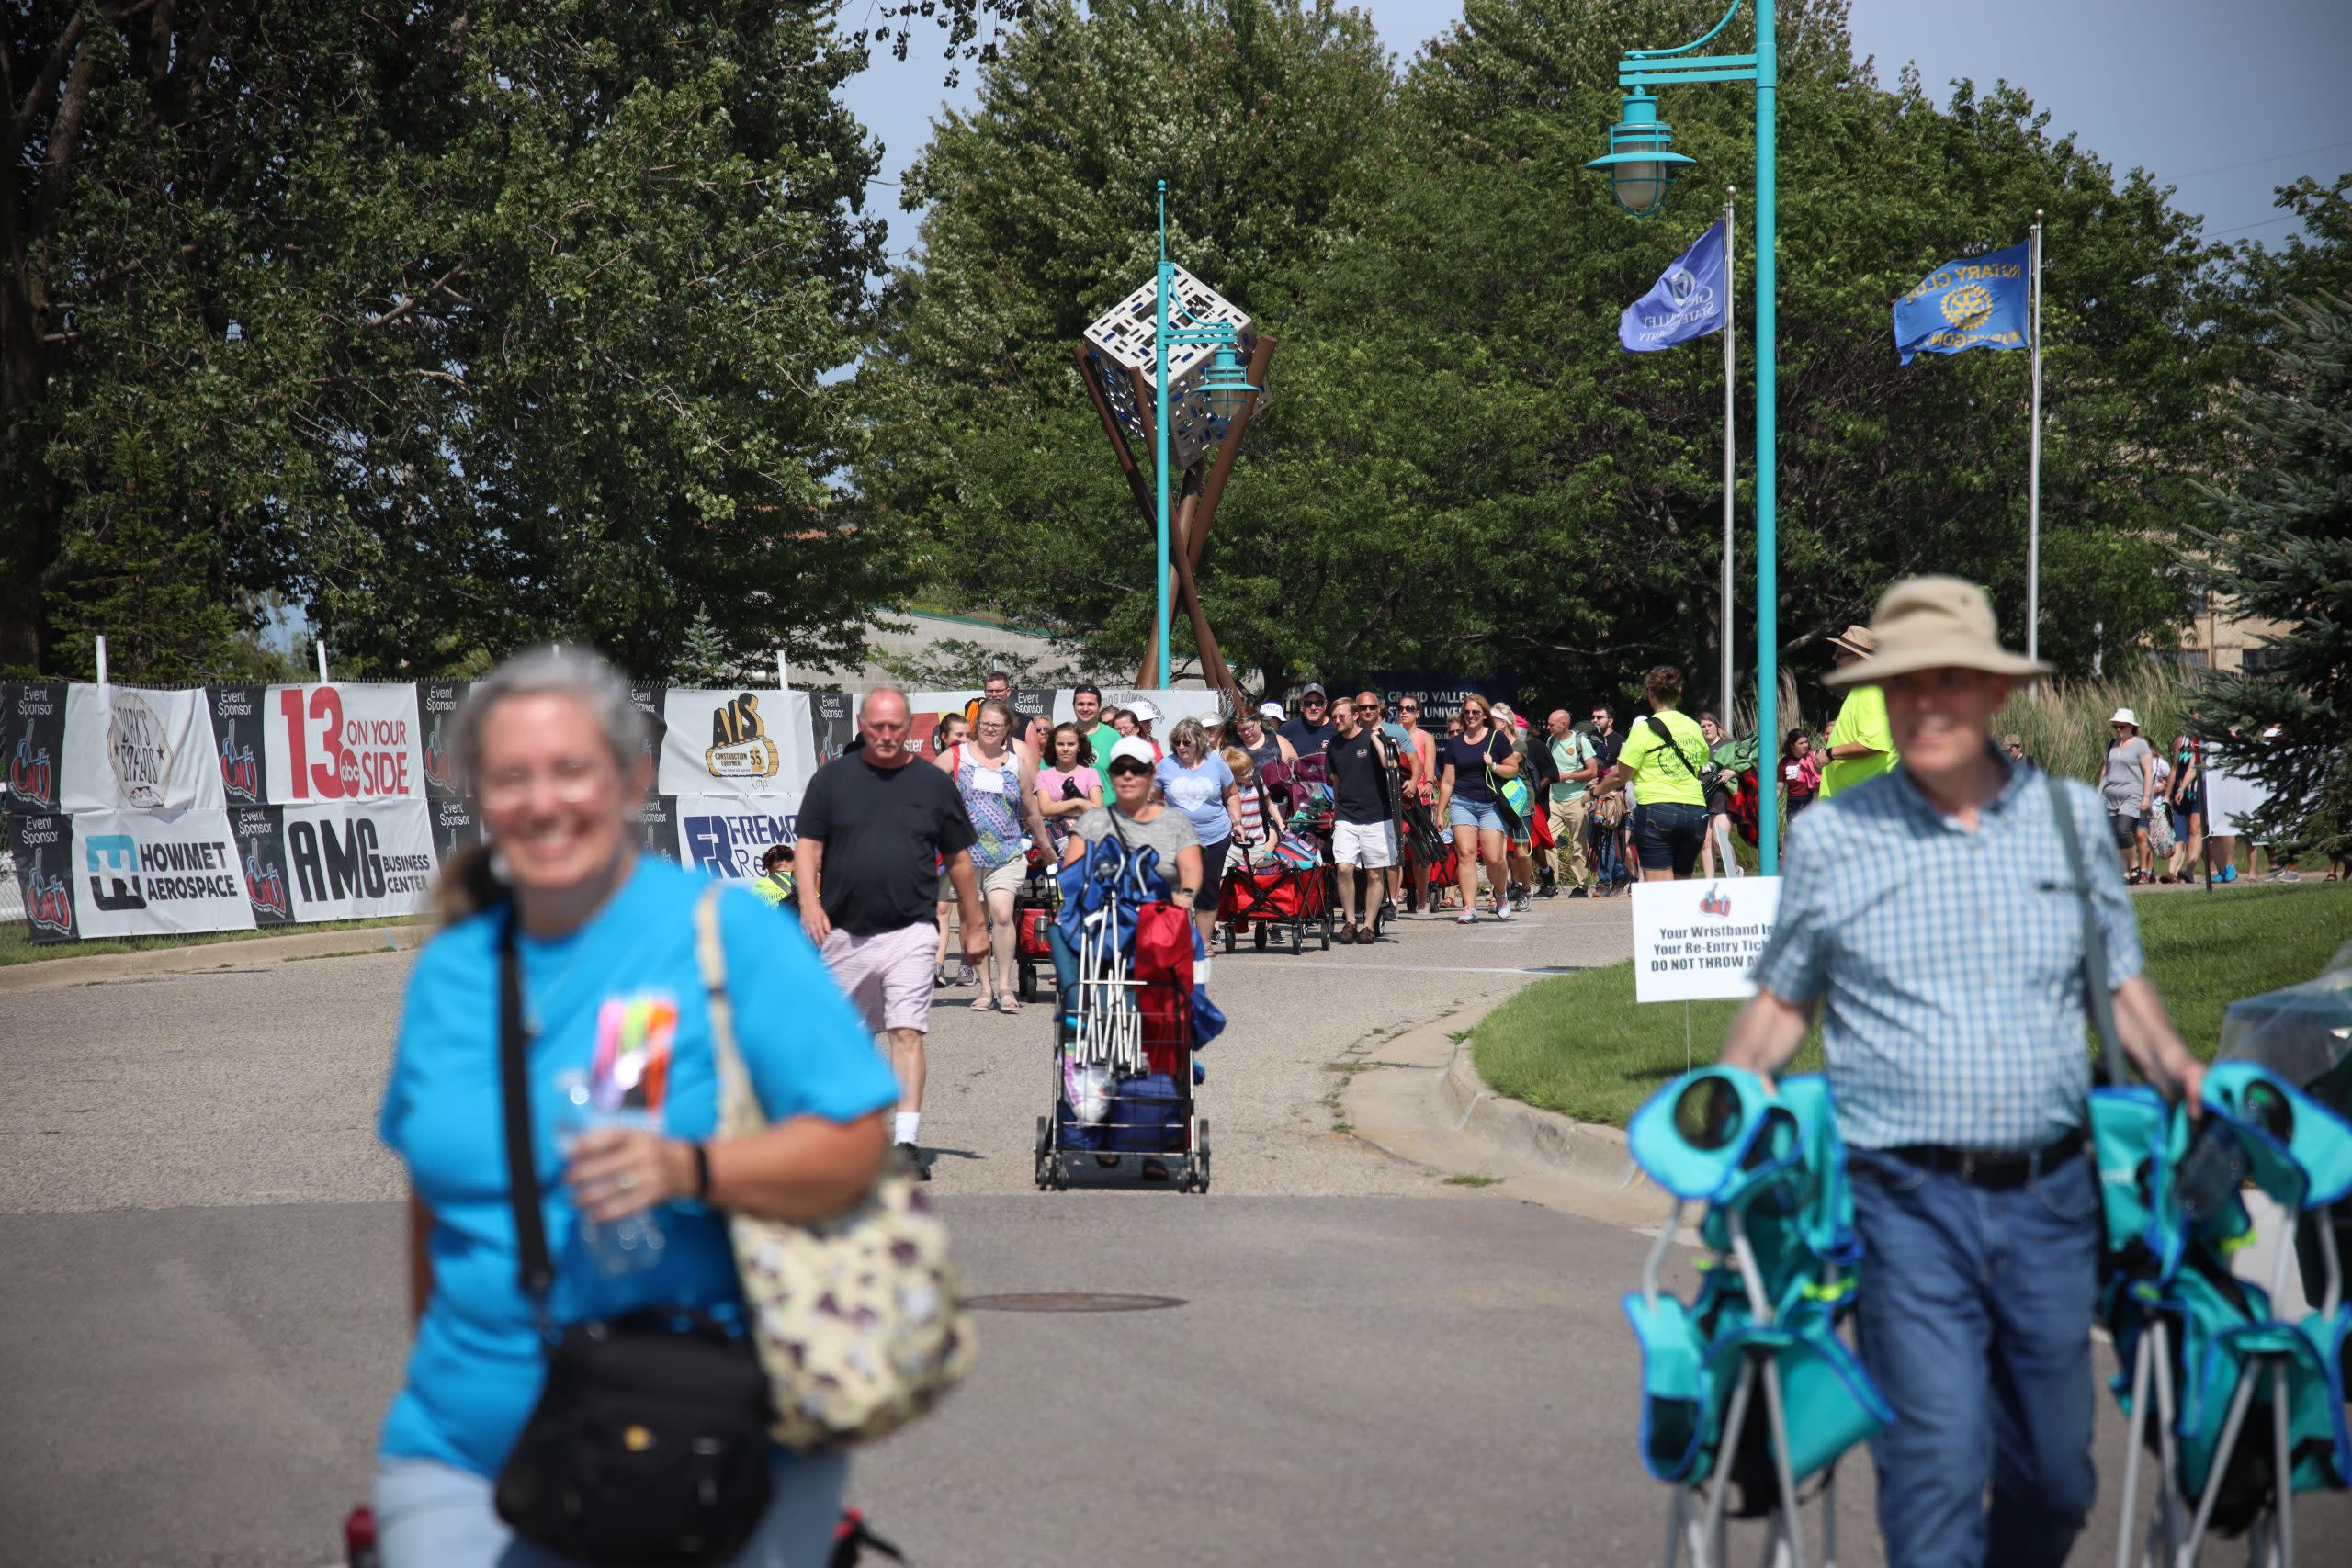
(649,1446)
(1710,776)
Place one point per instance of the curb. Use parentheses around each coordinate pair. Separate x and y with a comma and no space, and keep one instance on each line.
(212,957)
(1585,1148)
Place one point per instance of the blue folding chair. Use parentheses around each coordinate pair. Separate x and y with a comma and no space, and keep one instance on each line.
(1779,1277)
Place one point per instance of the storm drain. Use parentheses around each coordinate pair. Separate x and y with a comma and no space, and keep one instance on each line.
(1070,1301)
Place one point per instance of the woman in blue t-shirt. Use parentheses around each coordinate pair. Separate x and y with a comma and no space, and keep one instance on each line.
(1196,780)
(549,749)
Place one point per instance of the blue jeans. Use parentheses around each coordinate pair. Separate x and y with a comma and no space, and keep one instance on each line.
(1666,835)
(1480,814)
(1975,1319)
(430,1514)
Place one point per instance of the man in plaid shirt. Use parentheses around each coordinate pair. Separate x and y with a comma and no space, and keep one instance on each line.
(1928,920)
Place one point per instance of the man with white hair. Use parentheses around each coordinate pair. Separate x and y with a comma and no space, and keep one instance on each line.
(874,833)
(1921,923)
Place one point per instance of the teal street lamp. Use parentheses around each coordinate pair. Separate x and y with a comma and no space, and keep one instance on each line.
(1641,160)
(1225,386)
(1642,165)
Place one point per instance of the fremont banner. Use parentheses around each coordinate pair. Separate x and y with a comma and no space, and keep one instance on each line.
(151,872)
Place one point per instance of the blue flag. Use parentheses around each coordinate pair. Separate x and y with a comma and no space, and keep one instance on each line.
(1983,303)
(1687,301)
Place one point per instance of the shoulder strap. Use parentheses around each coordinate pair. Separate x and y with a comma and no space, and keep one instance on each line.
(739,1108)
(2096,994)
(537,1270)
(1667,736)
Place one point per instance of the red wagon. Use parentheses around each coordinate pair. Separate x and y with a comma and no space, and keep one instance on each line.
(1275,901)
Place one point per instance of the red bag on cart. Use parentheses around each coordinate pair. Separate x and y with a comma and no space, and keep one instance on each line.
(1030,938)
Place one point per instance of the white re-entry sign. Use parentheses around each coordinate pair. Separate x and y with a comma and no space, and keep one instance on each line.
(1695,942)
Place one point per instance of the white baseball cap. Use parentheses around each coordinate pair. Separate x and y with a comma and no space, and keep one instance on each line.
(1269,710)
(1132,748)
(1144,712)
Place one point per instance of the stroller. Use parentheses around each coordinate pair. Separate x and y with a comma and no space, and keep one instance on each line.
(1290,891)
(1782,1274)
(1129,1019)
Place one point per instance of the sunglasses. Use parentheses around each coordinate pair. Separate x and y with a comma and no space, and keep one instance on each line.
(1409,708)
(1127,766)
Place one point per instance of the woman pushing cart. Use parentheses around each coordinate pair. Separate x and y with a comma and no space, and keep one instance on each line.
(1129,1014)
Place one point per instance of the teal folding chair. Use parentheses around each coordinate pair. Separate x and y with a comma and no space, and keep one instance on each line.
(1778,1276)
(2212,1360)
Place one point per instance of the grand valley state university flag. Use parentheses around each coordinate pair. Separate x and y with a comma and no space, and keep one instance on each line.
(1687,301)
(1983,303)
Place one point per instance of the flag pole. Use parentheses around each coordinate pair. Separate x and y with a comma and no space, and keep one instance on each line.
(1724,636)
(2033,480)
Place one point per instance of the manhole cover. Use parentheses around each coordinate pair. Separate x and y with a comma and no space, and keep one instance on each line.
(1070,1301)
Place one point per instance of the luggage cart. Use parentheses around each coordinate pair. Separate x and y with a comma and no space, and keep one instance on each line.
(1123,1045)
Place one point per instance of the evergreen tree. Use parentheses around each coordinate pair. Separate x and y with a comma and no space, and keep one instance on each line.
(701,659)
(2281,550)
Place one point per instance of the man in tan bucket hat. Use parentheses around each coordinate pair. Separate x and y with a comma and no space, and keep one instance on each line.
(1860,745)
(1920,920)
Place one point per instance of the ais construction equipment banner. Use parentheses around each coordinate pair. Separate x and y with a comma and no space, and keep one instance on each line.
(135,811)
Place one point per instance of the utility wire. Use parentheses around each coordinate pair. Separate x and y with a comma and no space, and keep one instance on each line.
(2255,162)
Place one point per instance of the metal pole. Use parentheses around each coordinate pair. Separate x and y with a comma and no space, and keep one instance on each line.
(102,661)
(782,676)
(1730,697)
(2033,480)
(1159,358)
(1768,656)
(322,645)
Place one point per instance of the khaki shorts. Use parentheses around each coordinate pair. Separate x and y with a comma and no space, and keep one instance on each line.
(887,975)
(1006,878)
(1371,845)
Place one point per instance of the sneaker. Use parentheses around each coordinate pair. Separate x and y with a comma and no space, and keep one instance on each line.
(1467,917)
(1347,934)
(914,1162)
(1388,909)
(1519,898)
(2229,874)
(1579,891)
(967,975)
(1502,908)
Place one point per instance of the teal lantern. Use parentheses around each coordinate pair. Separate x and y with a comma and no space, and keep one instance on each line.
(1641,159)
(1225,385)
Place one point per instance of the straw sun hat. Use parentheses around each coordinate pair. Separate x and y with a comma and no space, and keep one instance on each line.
(1931,623)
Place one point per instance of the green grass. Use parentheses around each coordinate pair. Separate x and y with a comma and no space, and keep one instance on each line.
(1473,1178)
(16,946)
(1580,1044)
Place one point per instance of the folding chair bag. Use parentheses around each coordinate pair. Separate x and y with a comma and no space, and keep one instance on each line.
(1147,1117)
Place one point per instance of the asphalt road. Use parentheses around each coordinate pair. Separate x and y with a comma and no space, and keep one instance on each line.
(202,1306)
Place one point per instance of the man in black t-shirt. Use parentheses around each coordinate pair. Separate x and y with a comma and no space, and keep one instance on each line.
(1362,763)
(875,832)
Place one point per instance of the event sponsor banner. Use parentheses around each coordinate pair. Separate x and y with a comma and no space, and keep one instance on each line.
(1033,702)
(657,826)
(1697,941)
(41,845)
(239,739)
(357,862)
(351,741)
(454,827)
(725,836)
(261,855)
(130,748)
(437,713)
(32,743)
(733,742)
(647,697)
(832,725)
(149,873)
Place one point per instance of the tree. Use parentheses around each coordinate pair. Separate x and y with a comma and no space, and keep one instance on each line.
(1462,468)
(467,327)
(2281,546)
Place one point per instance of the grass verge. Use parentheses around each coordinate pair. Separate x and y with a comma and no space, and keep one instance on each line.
(17,945)
(1580,1045)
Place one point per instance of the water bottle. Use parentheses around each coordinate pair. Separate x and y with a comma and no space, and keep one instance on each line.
(632,1244)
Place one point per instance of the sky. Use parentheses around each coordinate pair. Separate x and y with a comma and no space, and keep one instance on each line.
(2223,100)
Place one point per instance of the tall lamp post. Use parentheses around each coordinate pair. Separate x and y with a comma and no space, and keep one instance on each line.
(1225,387)
(1642,166)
